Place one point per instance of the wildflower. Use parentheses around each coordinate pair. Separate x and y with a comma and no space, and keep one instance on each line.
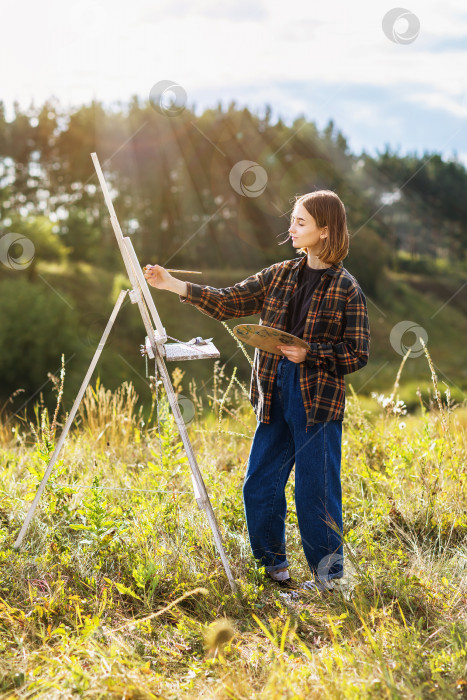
(398,408)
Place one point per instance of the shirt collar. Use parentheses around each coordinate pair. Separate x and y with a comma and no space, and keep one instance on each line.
(333,270)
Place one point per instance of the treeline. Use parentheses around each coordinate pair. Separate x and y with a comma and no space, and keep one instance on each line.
(172,180)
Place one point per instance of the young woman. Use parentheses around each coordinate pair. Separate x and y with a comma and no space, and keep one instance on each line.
(298,395)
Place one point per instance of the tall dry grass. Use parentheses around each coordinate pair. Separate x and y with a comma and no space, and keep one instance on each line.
(119,591)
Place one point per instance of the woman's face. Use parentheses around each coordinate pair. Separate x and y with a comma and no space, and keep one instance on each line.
(305,232)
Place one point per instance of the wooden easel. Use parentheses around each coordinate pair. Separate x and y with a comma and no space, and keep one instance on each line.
(156,348)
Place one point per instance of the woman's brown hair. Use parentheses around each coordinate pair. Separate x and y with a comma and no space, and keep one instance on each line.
(328,210)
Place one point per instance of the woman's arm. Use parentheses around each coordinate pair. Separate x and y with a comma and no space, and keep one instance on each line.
(243,299)
(352,353)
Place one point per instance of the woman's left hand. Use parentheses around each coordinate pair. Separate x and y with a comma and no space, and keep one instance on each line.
(292,353)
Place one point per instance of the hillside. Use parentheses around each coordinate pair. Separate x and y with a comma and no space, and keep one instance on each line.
(65,309)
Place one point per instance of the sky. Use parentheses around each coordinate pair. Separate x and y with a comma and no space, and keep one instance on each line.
(387,76)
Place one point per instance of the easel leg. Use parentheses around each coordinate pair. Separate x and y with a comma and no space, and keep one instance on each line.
(201,493)
(73,411)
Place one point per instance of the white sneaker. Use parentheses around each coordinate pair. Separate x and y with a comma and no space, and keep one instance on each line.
(309,586)
(319,585)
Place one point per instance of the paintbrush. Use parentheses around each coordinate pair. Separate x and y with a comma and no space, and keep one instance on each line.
(185,272)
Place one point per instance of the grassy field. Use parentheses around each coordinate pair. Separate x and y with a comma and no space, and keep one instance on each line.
(118,591)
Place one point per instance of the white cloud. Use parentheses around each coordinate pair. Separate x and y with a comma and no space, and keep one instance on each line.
(233,10)
(462,157)
(236,49)
(457,106)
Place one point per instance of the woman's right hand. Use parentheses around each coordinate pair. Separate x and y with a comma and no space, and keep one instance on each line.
(157,276)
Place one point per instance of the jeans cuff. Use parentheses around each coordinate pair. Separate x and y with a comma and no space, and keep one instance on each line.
(276,567)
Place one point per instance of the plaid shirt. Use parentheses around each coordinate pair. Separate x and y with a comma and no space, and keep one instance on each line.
(337,330)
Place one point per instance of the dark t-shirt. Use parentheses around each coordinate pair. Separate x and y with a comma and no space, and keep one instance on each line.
(300,302)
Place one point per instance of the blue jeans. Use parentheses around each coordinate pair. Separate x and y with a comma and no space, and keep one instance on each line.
(318,497)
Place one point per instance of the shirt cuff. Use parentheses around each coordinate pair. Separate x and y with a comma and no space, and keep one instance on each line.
(312,354)
(193,294)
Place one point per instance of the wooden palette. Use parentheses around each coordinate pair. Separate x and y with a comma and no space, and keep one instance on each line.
(266,338)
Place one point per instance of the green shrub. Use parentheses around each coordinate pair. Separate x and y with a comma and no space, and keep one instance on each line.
(36,327)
